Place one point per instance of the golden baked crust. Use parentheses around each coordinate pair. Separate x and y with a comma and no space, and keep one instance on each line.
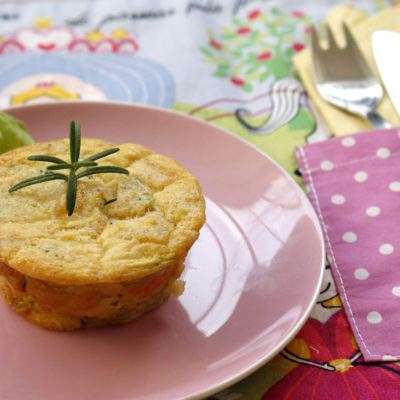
(68,307)
(154,221)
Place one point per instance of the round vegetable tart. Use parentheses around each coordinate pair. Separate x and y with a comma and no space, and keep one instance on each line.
(116,254)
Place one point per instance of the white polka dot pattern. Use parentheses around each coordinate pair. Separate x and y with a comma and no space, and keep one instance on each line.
(348,141)
(394,186)
(338,199)
(360,176)
(349,237)
(396,291)
(361,274)
(355,186)
(373,211)
(326,165)
(386,249)
(374,317)
(383,152)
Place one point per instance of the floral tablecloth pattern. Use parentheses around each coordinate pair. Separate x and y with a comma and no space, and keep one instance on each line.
(227,62)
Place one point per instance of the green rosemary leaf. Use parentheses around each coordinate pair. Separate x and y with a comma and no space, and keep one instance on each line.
(102,170)
(77,142)
(102,154)
(37,179)
(59,166)
(74,141)
(46,159)
(71,192)
(84,163)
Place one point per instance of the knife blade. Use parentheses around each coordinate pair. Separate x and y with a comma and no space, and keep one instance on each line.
(386,49)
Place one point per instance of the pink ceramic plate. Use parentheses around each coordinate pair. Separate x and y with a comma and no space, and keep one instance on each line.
(251,279)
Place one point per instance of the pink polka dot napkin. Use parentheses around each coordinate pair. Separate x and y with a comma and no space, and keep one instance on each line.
(354,185)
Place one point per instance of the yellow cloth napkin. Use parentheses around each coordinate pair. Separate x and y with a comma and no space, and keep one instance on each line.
(341,122)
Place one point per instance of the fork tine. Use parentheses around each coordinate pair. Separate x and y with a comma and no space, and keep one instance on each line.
(350,41)
(352,46)
(331,39)
(317,54)
(314,38)
(316,48)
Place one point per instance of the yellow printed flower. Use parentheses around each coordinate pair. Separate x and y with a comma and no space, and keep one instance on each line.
(341,364)
(94,36)
(43,23)
(119,34)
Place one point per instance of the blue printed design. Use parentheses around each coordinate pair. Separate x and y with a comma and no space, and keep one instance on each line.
(121,78)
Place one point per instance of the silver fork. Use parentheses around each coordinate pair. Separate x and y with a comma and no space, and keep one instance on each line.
(344,78)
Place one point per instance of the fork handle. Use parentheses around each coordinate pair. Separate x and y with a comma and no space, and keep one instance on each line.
(376,120)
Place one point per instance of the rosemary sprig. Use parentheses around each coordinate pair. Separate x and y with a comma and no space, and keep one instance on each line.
(73,166)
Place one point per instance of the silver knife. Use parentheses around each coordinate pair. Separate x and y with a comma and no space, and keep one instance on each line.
(386,48)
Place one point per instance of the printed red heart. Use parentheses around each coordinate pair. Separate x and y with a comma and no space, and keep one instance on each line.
(52,39)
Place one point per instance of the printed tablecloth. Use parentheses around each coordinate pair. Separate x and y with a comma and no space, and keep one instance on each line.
(229,63)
